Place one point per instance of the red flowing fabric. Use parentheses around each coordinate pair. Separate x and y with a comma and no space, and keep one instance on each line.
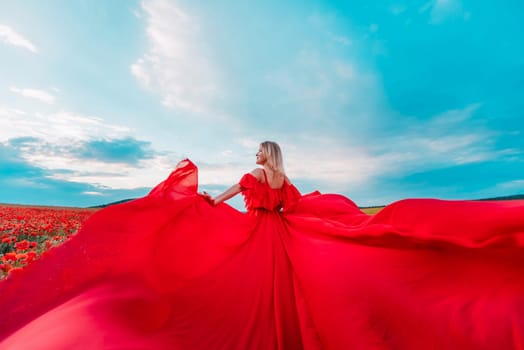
(169,271)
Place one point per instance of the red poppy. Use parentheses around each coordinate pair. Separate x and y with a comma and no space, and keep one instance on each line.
(10,256)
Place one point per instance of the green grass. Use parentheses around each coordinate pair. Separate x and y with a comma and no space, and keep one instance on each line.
(371,210)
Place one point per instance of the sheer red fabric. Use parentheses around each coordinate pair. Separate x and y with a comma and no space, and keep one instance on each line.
(169,271)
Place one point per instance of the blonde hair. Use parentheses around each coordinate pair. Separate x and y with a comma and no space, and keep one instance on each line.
(273,153)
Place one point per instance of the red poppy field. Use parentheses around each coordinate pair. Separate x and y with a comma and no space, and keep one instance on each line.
(28,232)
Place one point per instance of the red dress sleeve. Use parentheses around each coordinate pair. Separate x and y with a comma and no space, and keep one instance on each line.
(249,185)
(290,196)
(248,181)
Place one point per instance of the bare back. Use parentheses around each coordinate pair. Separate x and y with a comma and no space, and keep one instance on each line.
(274,180)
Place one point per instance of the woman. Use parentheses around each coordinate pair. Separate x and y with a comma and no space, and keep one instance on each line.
(171,271)
(272,173)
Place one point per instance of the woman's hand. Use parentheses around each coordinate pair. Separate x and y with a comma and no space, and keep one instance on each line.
(230,192)
(208,198)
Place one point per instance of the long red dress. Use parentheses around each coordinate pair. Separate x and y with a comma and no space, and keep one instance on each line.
(169,271)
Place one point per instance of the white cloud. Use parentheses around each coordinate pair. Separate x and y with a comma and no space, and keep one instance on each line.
(455,116)
(102,174)
(444,144)
(224,174)
(6,111)
(318,159)
(22,182)
(177,65)
(35,94)
(441,141)
(138,69)
(93,193)
(441,10)
(56,127)
(328,91)
(11,37)
(309,158)
(136,13)
(323,23)
(331,163)
(350,166)
(50,141)
(446,139)
(336,165)
(512,185)
(249,143)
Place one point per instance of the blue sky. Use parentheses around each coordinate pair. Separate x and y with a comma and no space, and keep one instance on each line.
(100,99)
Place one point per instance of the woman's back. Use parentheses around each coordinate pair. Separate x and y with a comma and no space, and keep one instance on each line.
(271,192)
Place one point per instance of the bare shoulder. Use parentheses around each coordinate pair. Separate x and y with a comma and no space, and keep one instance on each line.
(258,173)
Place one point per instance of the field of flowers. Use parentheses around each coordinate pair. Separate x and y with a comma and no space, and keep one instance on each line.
(27,232)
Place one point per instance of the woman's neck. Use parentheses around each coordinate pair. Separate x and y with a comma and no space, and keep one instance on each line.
(267,168)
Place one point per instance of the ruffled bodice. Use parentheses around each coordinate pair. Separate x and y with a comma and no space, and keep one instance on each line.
(259,196)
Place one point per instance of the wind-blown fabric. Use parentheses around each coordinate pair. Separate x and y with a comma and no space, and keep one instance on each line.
(170,271)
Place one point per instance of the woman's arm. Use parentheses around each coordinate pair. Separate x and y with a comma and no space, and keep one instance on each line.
(229,193)
(232,191)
